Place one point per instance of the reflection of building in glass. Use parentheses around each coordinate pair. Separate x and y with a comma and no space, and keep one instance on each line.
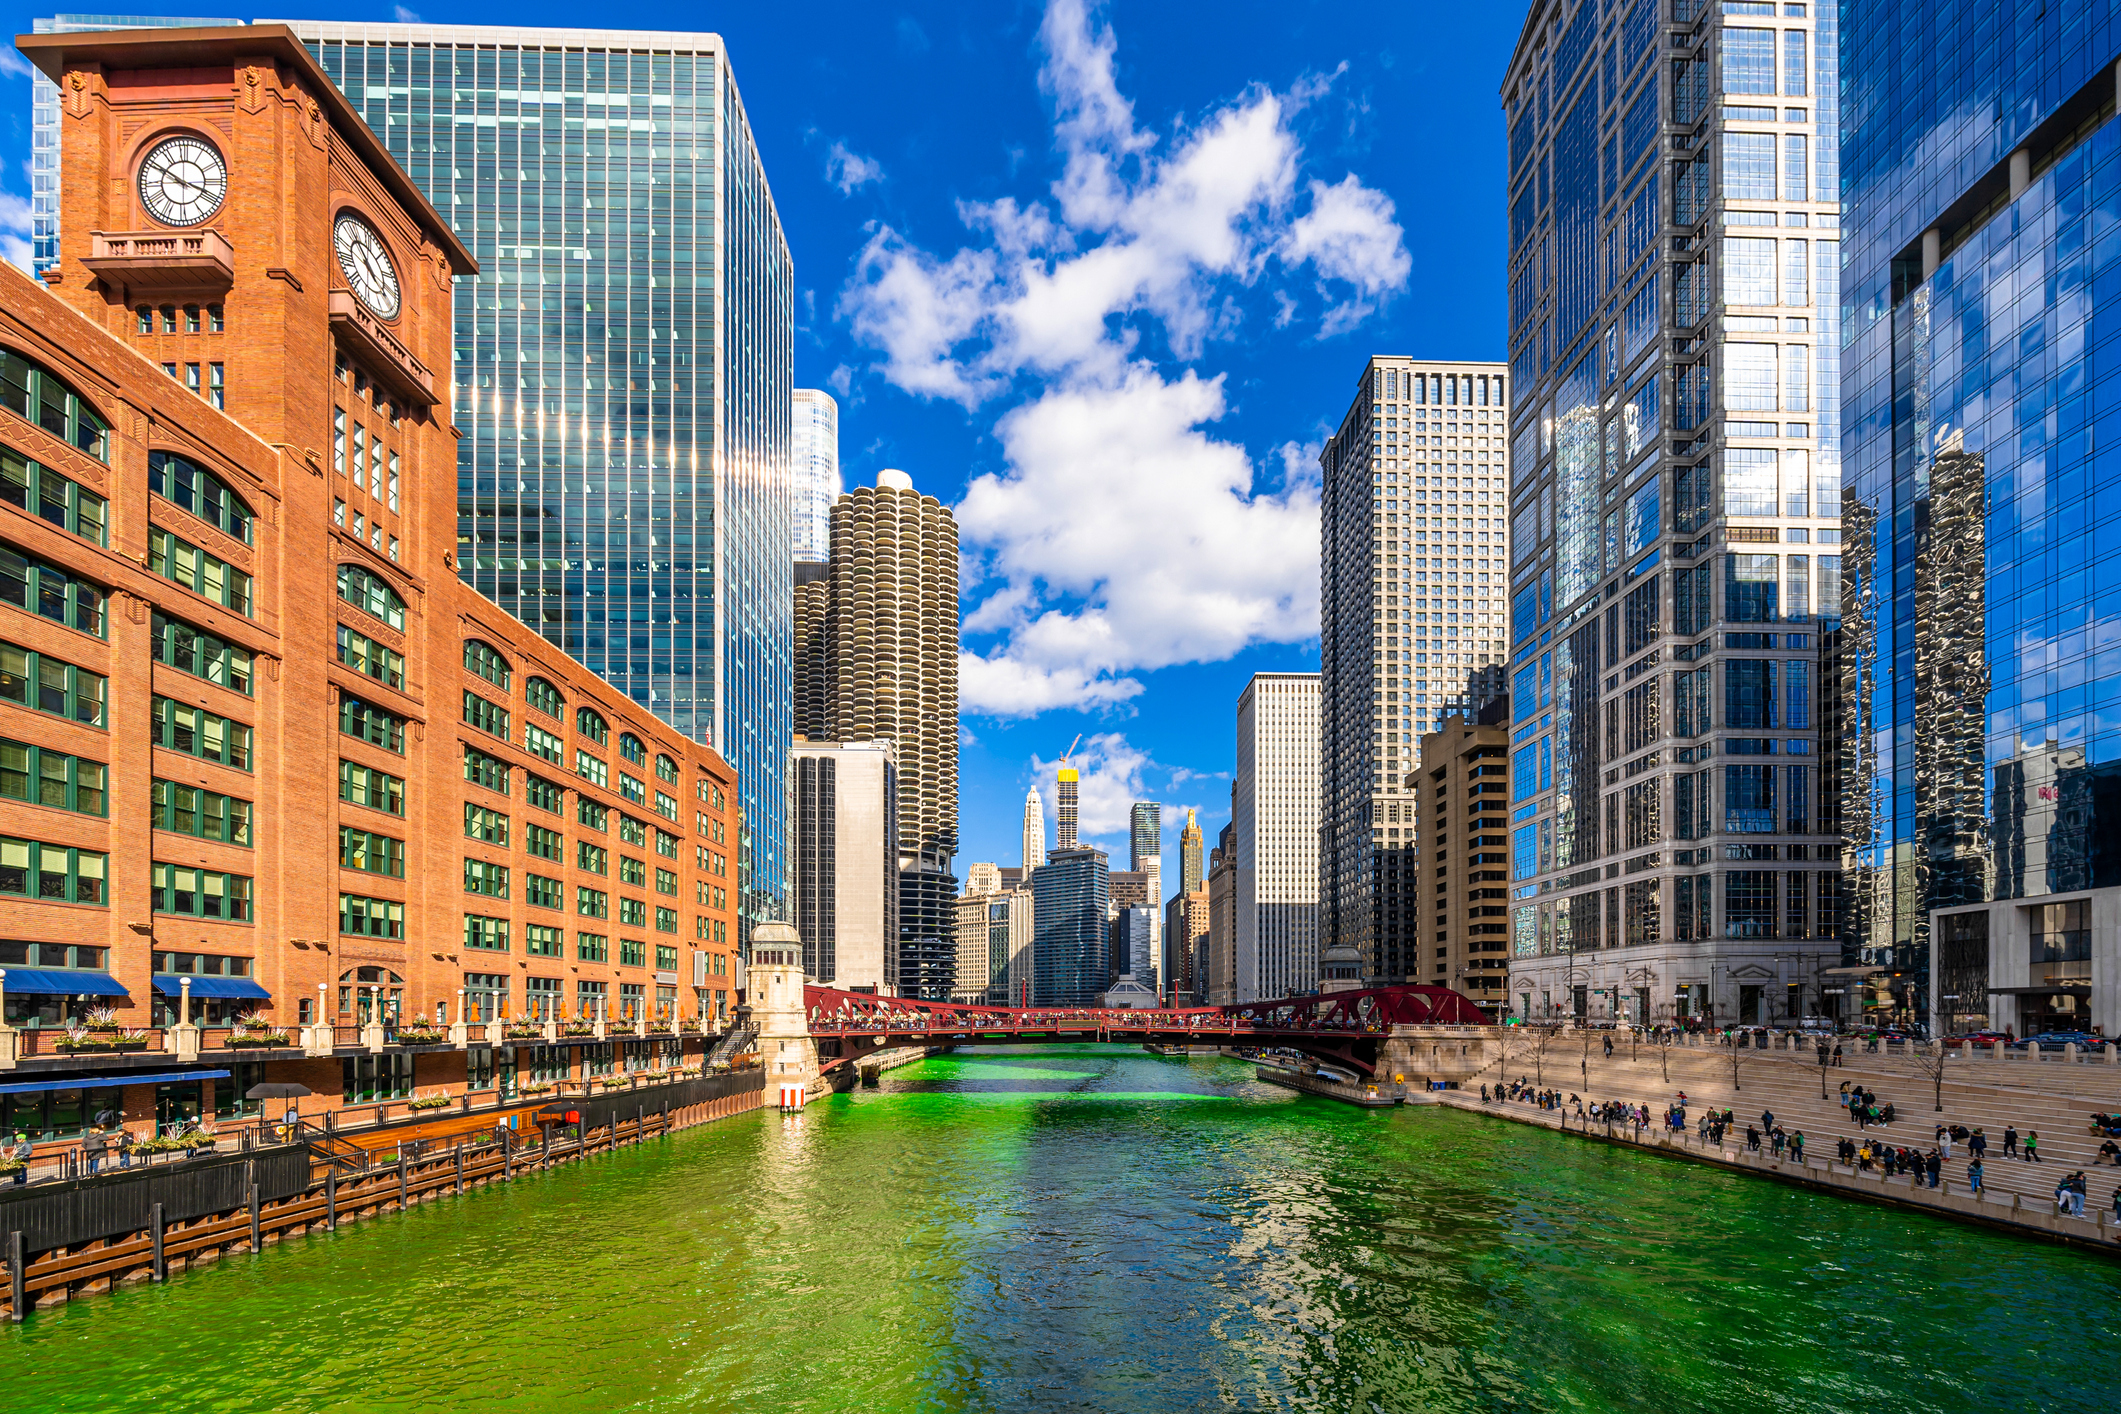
(624,362)
(1413,571)
(1675,499)
(1981,719)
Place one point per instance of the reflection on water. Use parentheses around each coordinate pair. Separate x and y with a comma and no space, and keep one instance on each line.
(1045,1229)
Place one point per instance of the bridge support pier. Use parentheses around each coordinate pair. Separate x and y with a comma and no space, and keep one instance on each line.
(779,1012)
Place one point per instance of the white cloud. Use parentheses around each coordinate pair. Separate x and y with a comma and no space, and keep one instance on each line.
(1114,775)
(15,230)
(848,170)
(12,64)
(1122,537)
(404,15)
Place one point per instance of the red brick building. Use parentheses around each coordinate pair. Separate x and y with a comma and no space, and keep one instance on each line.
(254,730)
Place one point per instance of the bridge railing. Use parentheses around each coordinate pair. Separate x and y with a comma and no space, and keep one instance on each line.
(1367,1012)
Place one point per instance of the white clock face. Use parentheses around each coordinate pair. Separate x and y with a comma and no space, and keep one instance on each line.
(182,181)
(366,265)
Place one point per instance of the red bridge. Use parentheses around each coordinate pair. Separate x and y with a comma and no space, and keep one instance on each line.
(1346,1028)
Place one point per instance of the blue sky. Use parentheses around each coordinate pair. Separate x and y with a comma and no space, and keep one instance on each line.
(1102,277)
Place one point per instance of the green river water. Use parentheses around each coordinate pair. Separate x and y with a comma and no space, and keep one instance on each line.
(1083,1228)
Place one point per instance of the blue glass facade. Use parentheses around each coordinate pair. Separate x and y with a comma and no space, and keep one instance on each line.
(1982,178)
(623,364)
(1675,499)
(1070,948)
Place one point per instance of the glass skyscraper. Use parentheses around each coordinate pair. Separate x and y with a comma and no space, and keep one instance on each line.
(1675,543)
(814,472)
(1982,677)
(624,363)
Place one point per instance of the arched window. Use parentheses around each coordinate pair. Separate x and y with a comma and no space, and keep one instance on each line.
(632,748)
(544,697)
(589,724)
(666,769)
(33,391)
(199,491)
(367,592)
(486,660)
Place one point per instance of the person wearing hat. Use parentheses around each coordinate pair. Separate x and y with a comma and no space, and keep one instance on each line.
(21,1155)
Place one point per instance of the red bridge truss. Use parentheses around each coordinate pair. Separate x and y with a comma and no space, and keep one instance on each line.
(1343,1027)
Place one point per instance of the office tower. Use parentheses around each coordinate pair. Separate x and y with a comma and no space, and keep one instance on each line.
(1004,926)
(1067,782)
(1984,780)
(1146,841)
(813,472)
(1274,808)
(623,364)
(1413,572)
(1130,889)
(282,754)
(46,131)
(1133,946)
(1675,541)
(1462,897)
(982,879)
(1190,874)
(1217,971)
(843,857)
(1186,924)
(1069,921)
(1034,830)
(975,957)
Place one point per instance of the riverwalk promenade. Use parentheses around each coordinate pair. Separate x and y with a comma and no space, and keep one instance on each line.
(2053,1096)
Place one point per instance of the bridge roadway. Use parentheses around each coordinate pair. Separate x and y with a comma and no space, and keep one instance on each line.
(1345,1028)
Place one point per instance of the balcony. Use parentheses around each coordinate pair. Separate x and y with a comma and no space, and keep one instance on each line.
(165,262)
(379,351)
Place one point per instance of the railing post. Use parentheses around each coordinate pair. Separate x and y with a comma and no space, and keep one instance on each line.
(17,1278)
(257,1233)
(460,1166)
(401,1178)
(331,1199)
(156,1269)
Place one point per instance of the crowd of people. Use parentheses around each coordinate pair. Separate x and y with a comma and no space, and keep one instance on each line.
(1926,1167)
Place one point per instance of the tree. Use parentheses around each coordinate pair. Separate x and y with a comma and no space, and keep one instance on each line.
(1543,1039)
(1930,1060)
(1731,1039)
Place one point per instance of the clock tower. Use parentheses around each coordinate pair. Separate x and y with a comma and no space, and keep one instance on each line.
(220,168)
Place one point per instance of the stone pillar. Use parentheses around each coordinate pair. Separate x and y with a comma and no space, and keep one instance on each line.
(182,1040)
(460,1032)
(780,1016)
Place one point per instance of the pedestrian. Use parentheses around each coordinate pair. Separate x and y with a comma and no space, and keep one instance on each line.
(1944,1140)
(1978,1144)
(1973,1179)
(21,1154)
(1609,1048)
(1936,1167)
(2010,1141)
(1752,1139)
(1797,1148)
(2032,1146)
(1767,1119)
(93,1147)
(1837,1055)
(123,1143)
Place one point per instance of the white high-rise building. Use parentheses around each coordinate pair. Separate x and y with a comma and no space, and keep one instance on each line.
(1274,809)
(1414,567)
(814,472)
(843,849)
(1034,831)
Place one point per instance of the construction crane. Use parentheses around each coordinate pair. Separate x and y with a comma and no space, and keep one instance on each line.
(1071,748)
(1065,804)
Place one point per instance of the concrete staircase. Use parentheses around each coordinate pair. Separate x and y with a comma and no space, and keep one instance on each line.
(2054,1098)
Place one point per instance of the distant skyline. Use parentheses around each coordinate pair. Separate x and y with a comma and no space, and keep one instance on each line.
(1101,280)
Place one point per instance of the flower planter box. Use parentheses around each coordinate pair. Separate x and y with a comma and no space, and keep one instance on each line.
(242,1043)
(84,1047)
(440,1102)
(421,1038)
(521,1033)
(578,1031)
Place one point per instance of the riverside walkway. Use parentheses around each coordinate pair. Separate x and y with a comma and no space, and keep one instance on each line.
(2048,1095)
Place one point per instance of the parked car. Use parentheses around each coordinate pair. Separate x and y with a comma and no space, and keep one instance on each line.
(1983,1038)
(2056,1040)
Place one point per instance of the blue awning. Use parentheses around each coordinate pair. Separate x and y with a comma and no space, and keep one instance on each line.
(103,1082)
(53,982)
(243,987)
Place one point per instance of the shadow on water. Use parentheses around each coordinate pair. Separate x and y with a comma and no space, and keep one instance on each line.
(1092,1228)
